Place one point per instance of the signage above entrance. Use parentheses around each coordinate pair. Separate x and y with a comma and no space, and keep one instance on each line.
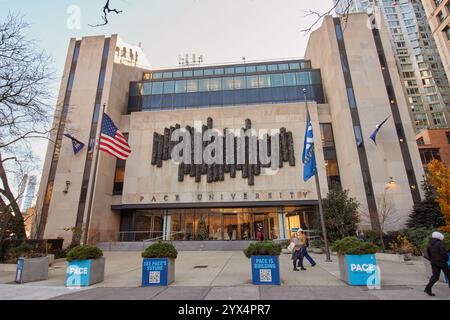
(202,150)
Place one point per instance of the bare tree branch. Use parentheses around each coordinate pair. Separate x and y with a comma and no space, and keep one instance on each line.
(320,15)
(106,11)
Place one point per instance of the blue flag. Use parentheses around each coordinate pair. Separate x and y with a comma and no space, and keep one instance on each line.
(309,155)
(76,144)
(373,136)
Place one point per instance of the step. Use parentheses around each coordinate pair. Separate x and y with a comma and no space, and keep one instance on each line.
(180,245)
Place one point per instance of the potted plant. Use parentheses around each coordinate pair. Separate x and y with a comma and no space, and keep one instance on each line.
(31,265)
(403,248)
(158,265)
(264,257)
(85,266)
(424,247)
(357,262)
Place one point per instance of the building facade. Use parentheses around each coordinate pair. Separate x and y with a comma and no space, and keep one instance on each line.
(434,144)
(438,15)
(351,84)
(420,65)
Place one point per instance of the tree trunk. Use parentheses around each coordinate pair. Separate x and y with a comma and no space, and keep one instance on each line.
(19,225)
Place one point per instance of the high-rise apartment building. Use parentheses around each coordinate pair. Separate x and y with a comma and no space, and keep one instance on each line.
(420,66)
(438,15)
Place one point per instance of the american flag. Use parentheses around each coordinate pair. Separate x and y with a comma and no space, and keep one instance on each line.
(112,140)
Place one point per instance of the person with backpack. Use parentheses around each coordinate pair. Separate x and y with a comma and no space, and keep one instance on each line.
(437,254)
(305,244)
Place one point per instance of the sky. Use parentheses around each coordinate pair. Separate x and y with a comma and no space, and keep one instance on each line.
(221,30)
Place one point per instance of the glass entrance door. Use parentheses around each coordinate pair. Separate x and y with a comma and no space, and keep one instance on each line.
(230,226)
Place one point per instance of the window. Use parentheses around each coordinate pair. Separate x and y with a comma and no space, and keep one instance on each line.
(198,73)
(427,155)
(351,98)
(240,69)
(177,74)
(239,82)
(264,81)
(326,131)
(228,83)
(169,87)
(448,136)
(276,80)
(167,75)
(250,69)
(420,141)
(438,118)
(252,82)
(180,86)
(157,75)
(208,72)
(261,68)
(421,119)
(358,136)
(215,84)
(203,85)
(157,87)
(272,67)
(219,71)
(187,73)
(229,70)
(289,79)
(283,66)
(192,86)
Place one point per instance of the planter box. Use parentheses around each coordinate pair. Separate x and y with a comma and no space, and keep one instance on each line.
(266,270)
(158,272)
(359,270)
(317,250)
(85,273)
(429,272)
(33,269)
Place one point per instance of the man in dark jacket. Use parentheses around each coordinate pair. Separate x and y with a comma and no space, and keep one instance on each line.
(438,255)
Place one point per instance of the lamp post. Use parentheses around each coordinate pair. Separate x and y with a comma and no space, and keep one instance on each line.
(319,196)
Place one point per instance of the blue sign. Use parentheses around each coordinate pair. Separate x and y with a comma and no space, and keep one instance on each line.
(362,270)
(78,273)
(265,270)
(19,270)
(154,272)
(445,277)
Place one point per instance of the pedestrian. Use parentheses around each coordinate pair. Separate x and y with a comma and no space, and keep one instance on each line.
(297,253)
(305,244)
(360,235)
(230,232)
(438,255)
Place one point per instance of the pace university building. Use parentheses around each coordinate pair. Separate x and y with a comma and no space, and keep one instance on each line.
(351,82)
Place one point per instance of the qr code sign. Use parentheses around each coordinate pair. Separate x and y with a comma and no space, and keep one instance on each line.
(265,275)
(154,277)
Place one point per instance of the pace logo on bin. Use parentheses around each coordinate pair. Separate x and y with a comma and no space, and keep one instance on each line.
(361,268)
(265,270)
(78,273)
(154,272)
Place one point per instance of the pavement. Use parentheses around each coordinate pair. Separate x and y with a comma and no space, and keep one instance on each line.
(225,275)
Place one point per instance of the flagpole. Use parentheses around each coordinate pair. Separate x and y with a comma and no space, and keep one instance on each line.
(91,195)
(319,196)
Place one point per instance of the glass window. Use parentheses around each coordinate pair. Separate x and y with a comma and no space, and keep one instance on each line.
(169,87)
(187,73)
(219,71)
(177,74)
(261,68)
(228,83)
(180,86)
(358,136)
(272,67)
(229,70)
(276,80)
(250,69)
(239,83)
(157,87)
(252,82)
(192,86)
(264,81)
(167,75)
(315,77)
(209,72)
(326,131)
(289,79)
(338,32)
(283,66)
(240,69)
(294,66)
(147,88)
(198,73)
(157,75)
(203,85)
(302,78)
(351,98)
(215,84)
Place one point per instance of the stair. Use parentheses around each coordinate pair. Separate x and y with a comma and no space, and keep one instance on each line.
(179,245)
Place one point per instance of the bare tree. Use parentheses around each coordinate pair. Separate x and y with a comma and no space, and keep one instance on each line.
(25,111)
(106,10)
(387,214)
(320,15)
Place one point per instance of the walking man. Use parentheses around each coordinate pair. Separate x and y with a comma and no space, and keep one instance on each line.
(305,241)
(438,256)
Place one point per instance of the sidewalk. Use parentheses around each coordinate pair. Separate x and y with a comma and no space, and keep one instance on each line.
(226,275)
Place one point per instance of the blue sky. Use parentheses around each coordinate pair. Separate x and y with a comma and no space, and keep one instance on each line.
(221,30)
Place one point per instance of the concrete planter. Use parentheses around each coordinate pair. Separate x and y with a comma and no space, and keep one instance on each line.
(359,270)
(404,257)
(158,272)
(429,272)
(265,270)
(317,250)
(85,273)
(32,269)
